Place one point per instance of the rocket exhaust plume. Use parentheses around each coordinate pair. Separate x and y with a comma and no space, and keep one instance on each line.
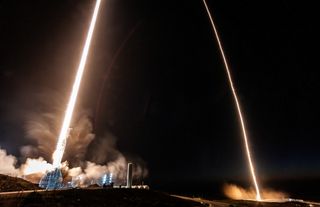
(64,133)
(238,193)
(245,138)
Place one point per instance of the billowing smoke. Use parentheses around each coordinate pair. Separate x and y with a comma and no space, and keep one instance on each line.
(43,130)
(93,171)
(80,137)
(7,164)
(238,193)
(87,157)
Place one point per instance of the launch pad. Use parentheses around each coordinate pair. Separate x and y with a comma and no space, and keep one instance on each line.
(52,180)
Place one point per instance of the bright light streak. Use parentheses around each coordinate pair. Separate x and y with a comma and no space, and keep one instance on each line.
(64,133)
(258,197)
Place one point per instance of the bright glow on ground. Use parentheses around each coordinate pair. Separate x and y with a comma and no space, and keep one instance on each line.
(238,193)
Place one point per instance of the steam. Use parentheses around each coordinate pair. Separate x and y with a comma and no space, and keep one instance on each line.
(238,193)
(87,157)
(42,129)
(32,166)
(33,169)
(80,138)
(7,164)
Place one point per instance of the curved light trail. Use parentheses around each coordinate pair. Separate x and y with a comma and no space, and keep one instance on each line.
(245,137)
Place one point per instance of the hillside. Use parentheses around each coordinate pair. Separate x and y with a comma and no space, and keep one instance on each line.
(13,195)
(8,183)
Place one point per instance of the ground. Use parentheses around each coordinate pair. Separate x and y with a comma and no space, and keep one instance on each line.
(17,192)
(122,198)
(94,198)
(8,183)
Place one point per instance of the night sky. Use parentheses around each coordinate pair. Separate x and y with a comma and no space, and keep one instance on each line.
(166,97)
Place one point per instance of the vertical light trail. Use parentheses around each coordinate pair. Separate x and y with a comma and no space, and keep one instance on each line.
(245,138)
(64,133)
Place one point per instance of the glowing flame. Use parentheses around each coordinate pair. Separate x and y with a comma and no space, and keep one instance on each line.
(64,133)
(239,193)
(258,197)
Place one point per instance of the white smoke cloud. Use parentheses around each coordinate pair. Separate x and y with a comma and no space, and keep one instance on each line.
(104,149)
(85,156)
(74,172)
(42,129)
(28,151)
(34,169)
(104,159)
(238,193)
(80,137)
(118,167)
(7,164)
(94,171)
(32,166)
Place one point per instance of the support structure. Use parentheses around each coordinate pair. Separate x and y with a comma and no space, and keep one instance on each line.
(129,175)
(52,180)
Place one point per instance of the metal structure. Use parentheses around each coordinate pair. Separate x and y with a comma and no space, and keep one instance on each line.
(52,180)
(105,180)
(129,175)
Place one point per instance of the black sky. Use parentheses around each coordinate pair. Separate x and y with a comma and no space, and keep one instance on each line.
(166,97)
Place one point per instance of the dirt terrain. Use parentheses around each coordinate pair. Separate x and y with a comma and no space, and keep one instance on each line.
(17,192)
(94,198)
(8,183)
